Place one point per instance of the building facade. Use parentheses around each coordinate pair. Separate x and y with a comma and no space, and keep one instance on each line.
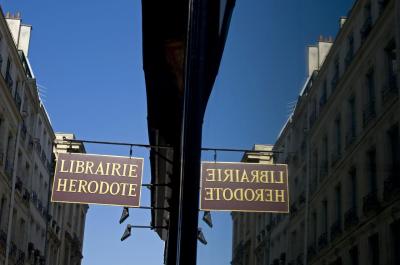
(67,220)
(26,155)
(341,144)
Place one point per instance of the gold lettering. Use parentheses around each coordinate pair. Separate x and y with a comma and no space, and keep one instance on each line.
(266,177)
(228,174)
(96,186)
(89,166)
(225,196)
(209,194)
(124,170)
(280,195)
(246,197)
(259,195)
(245,178)
(80,167)
(280,179)
(62,167)
(114,184)
(132,190)
(254,173)
(115,169)
(72,183)
(132,171)
(64,185)
(107,169)
(124,188)
(82,185)
(238,197)
(99,170)
(218,195)
(268,195)
(71,166)
(211,174)
(106,185)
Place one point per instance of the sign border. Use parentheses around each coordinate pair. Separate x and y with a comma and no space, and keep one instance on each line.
(245,211)
(104,204)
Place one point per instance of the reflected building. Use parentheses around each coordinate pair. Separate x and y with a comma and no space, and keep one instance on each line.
(341,144)
(26,162)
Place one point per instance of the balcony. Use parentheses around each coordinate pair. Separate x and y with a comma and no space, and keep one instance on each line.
(369,113)
(366,28)
(350,217)
(336,230)
(391,186)
(371,202)
(390,90)
(311,252)
(322,241)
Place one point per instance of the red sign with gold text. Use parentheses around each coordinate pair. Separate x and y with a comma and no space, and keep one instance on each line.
(246,187)
(97,179)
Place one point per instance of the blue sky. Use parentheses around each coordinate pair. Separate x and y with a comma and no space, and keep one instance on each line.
(87,58)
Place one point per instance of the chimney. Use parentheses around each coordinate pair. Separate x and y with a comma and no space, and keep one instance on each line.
(342,20)
(21,33)
(324,46)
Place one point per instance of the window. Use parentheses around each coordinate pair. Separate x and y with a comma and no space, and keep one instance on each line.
(373,242)
(352,117)
(353,187)
(371,169)
(324,216)
(8,78)
(390,86)
(338,202)
(314,228)
(335,77)
(394,151)
(367,25)
(353,252)
(350,50)
(338,137)
(395,227)
(369,109)
(2,205)
(324,95)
